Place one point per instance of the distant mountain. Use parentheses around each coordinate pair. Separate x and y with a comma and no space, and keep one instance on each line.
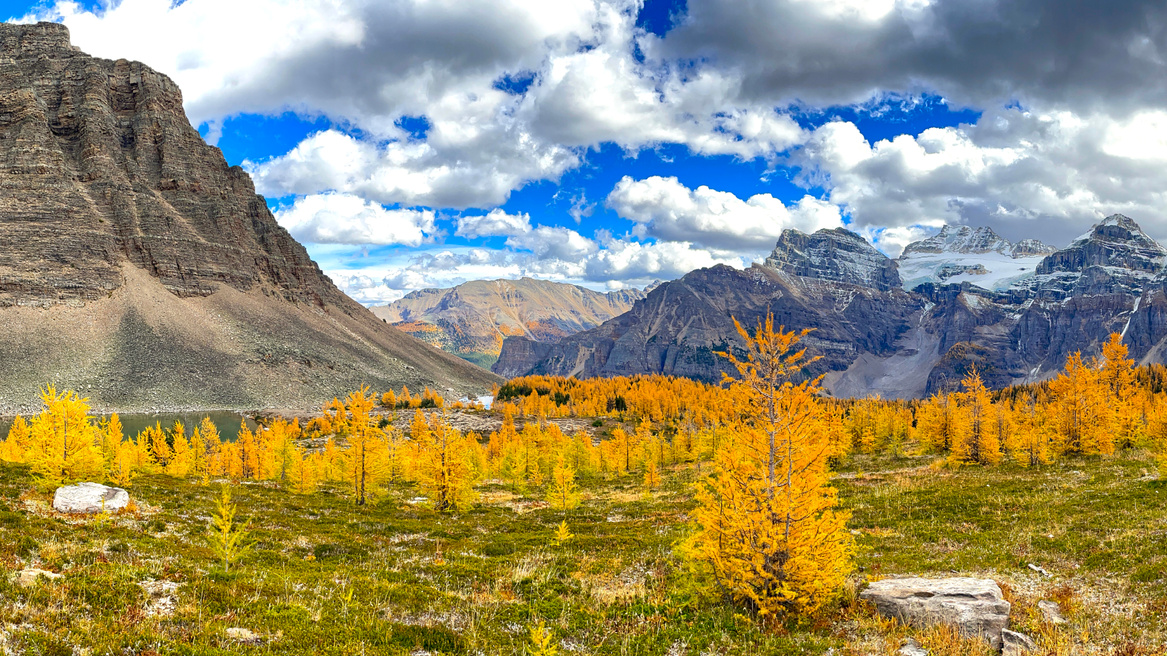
(975,255)
(1036,308)
(141,270)
(472,319)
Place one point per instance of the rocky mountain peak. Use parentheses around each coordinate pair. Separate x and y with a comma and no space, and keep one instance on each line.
(961,239)
(37,39)
(834,254)
(1117,241)
(1030,248)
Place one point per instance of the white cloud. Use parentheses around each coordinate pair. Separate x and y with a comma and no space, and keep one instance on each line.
(642,263)
(496,223)
(665,209)
(345,219)
(368,64)
(1027,174)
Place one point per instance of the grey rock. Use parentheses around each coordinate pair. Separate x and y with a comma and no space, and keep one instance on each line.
(1015,644)
(89,498)
(1051,612)
(912,648)
(244,636)
(838,255)
(975,607)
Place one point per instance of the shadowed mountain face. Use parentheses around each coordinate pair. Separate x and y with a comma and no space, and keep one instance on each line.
(472,319)
(876,337)
(142,269)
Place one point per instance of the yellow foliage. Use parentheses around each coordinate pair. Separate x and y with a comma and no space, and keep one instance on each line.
(767,526)
(63,440)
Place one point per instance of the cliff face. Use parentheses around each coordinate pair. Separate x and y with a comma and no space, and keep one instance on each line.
(134,254)
(101,168)
(876,339)
(472,319)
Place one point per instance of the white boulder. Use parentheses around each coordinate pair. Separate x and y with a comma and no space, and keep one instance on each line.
(975,607)
(89,498)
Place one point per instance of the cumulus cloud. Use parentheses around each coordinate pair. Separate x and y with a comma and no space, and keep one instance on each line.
(665,209)
(370,64)
(345,219)
(496,223)
(1015,170)
(1072,125)
(1090,55)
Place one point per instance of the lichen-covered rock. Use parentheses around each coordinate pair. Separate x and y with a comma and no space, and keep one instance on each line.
(975,607)
(1016,644)
(1051,611)
(27,578)
(90,498)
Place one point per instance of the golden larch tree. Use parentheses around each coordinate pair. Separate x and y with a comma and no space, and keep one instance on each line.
(63,440)
(767,525)
(443,467)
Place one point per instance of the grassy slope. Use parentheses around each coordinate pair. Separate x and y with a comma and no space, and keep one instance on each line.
(329,578)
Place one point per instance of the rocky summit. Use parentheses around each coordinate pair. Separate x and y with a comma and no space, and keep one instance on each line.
(1035,307)
(472,319)
(142,270)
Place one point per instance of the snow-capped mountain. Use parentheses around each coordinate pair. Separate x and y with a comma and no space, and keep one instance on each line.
(974,255)
(1014,311)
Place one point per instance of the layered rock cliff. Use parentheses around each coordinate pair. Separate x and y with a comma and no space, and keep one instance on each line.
(877,339)
(472,319)
(142,268)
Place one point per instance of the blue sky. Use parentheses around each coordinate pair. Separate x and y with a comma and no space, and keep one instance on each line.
(610,143)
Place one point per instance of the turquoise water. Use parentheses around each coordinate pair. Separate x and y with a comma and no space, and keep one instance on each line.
(132,424)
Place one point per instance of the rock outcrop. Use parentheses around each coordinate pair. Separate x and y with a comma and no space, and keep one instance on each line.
(143,270)
(90,498)
(975,607)
(1019,326)
(472,319)
(838,255)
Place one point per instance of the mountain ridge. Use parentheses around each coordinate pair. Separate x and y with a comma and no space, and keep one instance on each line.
(472,319)
(145,272)
(910,343)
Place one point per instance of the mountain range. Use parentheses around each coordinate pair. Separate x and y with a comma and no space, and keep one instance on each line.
(143,271)
(899,328)
(472,319)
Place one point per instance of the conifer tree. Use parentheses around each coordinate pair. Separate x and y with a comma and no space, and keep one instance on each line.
(978,443)
(443,468)
(16,445)
(63,440)
(563,493)
(767,525)
(367,457)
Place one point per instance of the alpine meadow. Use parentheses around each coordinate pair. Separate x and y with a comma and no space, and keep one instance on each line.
(586,327)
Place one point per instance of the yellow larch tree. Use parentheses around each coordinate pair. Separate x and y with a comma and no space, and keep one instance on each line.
(768,528)
(562,492)
(367,458)
(1082,410)
(443,467)
(16,445)
(63,440)
(1118,375)
(1030,442)
(181,457)
(979,442)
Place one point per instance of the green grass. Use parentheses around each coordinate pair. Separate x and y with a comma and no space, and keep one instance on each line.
(329,578)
